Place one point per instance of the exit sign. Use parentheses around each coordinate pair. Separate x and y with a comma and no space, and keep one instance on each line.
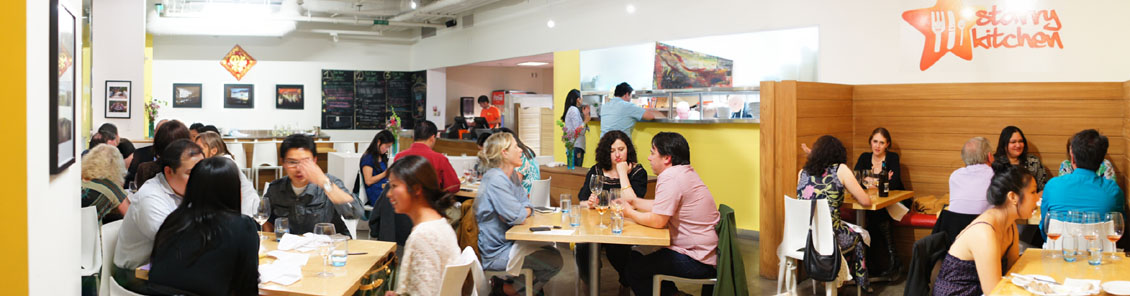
(380,22)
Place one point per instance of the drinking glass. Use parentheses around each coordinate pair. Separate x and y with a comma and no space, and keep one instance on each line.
(566,200)
(325,247)
(1071,229)
(262,213)
(1117,227)
(340,249)
(596,185)
(613,201)
(575,216)
(1091,231)
(282,226)
(602,206)
(617,222)
(1053,230)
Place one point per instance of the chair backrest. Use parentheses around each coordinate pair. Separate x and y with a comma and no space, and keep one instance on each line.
(265,154)
(539,192)
(481,285)
(362,146)
(237,153)
(454,274)
(797,225)
(91,247)
(1104,227)
(118,290)
(361,188)
(109,242)
(350,147)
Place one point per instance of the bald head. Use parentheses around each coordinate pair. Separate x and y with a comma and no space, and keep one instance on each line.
(976,151)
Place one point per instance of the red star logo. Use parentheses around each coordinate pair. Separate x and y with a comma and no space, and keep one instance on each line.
(946,31)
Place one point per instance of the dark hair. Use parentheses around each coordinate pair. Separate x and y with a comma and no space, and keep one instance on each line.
(297,141)
(1089,148)
(570,101)
(886,135)
(100,137)
(482,139)
(826,151)
(169,132)
(673,145)
(125,147)
(1001,156)
(208,128)
(108,127)
(1007,178)
(415,171)
(196,126)
(374,149)
(211,192)
(529,153)
(622,89)
(604,149)
(483,99)
(424,130)
(171,156)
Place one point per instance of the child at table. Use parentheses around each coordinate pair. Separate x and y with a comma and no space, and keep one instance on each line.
(971,268)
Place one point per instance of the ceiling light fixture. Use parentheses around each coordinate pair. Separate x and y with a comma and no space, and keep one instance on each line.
(550,24)
(532,64)
(631,9)
(412,4)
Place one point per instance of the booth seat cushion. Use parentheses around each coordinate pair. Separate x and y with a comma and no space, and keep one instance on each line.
(918,220)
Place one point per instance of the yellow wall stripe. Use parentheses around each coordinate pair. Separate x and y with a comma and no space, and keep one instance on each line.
(13,176)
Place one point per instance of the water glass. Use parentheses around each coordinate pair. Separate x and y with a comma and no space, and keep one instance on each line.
(566,200)
(575,216)
(617,222)
(1091,228)
(339,250)
(282,226)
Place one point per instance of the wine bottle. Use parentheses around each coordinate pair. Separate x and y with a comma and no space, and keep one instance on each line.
(884,181)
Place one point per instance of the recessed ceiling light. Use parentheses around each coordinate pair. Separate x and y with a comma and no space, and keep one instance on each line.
(630,8)
(550,24)
(412,4)
(532,64)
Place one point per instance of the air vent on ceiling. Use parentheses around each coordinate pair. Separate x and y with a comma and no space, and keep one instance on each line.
(426,32)
(468,20)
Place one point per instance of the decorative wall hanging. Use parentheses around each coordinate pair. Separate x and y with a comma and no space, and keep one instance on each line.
(238,62)
(118,98)
(289,96)
(62,84)
(239,96)
(186,95)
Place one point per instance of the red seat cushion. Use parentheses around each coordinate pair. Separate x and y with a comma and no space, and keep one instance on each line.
(918,220)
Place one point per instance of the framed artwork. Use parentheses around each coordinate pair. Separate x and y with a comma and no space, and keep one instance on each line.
(62,88)
(118,98)
(239,96)
(289,96)
(677,68)
(186,95)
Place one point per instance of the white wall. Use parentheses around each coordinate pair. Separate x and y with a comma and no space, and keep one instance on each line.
(52,200)
(859,42)
(437,97)
(475,81)
(119,54)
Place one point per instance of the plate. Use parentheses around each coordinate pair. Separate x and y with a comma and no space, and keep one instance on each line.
(1117,287)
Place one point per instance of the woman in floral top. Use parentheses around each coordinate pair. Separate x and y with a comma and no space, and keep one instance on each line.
(1012,148)
(529,169)
(826,176)
(1106,170)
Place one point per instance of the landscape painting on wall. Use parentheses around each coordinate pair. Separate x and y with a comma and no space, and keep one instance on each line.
(678,68)
(289,96)
(239,96)
(186,95)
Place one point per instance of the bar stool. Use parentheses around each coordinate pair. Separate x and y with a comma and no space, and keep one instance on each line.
(265,156)
(240,157)
(345,147)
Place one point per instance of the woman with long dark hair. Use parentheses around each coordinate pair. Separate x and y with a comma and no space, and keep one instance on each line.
(529,170)
(1012,149)
(205,246)
(414,191)
(826,176)
(374,165)
(576,117)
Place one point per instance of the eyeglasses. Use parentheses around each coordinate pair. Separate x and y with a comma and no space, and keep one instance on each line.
(291,163)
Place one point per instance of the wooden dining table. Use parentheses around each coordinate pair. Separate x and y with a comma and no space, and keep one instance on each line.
(1033,261)
(589,232)
(877,203)
(346,280)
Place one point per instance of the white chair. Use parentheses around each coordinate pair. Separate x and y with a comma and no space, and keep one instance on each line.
(118,290)
(1104,227)
(109,241)
(454,274)
(240,157)
(476,270)
(526,273)
(349,147)
(362,146)
(792,244)
(539,192)
(351,225)
(91,245)
(265,156)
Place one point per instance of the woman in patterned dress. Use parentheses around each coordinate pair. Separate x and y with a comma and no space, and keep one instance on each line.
(826,176)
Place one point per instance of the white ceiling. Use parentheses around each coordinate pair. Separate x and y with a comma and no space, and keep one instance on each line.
(513,62)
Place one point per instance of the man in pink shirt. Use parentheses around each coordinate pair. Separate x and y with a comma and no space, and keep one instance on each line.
(685,207)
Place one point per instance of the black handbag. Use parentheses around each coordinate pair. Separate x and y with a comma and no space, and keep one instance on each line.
(819,267)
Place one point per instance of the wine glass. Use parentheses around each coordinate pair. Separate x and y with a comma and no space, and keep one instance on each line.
(324,247)
(1091,231)
(1117,227)
(262,213)
(1053,229)
(602,206)
(596,185)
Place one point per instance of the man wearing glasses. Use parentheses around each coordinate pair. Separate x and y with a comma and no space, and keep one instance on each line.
(308,196)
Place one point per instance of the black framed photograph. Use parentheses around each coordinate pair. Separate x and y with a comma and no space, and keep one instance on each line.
(186,95)
(239,96)
(62,87)
(289,96)
(118,98)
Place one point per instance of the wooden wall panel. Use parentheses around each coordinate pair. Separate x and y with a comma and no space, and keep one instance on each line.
(1066,125)
(989,108)
(990,91)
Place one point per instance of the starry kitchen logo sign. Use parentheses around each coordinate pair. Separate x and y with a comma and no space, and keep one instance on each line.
(951,27)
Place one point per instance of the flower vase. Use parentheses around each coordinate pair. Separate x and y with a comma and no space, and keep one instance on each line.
(570,158)
(394,149)
(151,135)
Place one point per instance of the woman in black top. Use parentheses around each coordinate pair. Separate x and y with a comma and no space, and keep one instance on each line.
(615,152)
(879,222)
(205,246)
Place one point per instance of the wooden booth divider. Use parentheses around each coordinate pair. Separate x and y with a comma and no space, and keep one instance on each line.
(928,123)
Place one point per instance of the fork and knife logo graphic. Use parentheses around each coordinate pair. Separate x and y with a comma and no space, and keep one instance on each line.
(945,22)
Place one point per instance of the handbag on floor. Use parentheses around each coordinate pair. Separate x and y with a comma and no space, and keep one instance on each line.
(819,267)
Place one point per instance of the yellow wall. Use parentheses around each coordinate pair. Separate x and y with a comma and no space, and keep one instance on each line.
(726,156)
(13,178)
(148,84)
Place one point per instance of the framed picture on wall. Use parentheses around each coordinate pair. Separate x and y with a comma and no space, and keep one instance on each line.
(186,95)
(289,96)
(62,131)
(118,98)
(239,96)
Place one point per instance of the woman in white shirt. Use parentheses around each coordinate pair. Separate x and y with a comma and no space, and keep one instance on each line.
(576,118)
(413,190)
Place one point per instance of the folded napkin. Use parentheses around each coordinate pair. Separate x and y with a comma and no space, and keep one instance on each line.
(281,273)
(1082,286)
(289,258)
(897,211)
(304,243)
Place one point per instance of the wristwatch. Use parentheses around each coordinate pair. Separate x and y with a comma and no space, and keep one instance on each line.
(328,186)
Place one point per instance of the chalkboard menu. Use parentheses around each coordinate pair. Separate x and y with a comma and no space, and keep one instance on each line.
(363,99)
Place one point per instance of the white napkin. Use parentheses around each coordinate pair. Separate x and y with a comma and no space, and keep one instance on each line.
(283,274)
(304,243)
(1082,286)
(862,232)
(897,211)
(289,258)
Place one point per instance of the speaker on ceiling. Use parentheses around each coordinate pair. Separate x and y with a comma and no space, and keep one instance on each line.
(450,23)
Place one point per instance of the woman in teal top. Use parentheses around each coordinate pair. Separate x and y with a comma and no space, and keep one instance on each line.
(1106,170)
